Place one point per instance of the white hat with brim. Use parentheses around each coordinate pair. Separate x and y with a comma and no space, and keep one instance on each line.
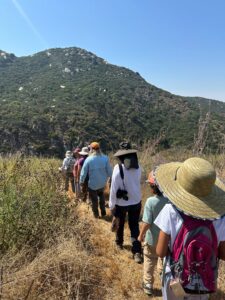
(84,151)
(124,152)
(192,187)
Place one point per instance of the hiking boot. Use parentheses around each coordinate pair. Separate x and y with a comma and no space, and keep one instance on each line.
(147,288)
(138,258)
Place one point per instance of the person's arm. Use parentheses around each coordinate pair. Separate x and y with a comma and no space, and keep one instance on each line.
(108,168)
(78,170)
(64,163)
(144,228)
(164,222)
(74,170)
(147,219)
(113,190)
(84,172)
(162,244)
(221,250)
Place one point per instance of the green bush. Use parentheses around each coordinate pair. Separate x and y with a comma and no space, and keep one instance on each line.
(33,207)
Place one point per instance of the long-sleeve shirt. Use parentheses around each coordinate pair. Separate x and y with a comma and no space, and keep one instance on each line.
(98,169)
(132,183)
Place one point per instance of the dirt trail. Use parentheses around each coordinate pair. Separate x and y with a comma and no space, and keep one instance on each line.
(122,276)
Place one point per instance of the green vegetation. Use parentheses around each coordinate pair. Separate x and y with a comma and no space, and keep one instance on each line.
(61,98)
(32,206)
(51,249)
(45,248)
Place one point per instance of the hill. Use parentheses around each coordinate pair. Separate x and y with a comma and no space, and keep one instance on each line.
(60,98)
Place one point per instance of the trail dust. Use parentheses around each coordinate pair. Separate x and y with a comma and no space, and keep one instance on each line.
(122,277)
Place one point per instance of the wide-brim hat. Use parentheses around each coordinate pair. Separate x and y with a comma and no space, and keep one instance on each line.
(192,187)
(125,148)
(84,151)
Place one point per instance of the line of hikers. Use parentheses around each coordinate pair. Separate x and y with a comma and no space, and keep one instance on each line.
(183,223)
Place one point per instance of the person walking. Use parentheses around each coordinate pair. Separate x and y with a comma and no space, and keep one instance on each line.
(76,156)
(125,197)
(149,234)
(98,170)
(192,234)
(84,188)
(67,170)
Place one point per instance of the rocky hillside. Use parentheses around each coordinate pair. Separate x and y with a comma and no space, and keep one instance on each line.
(60,98)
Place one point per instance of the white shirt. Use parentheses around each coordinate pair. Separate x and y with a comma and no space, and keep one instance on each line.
(169,221)
(132,182)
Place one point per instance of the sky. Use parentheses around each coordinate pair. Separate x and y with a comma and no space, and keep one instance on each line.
(176,45)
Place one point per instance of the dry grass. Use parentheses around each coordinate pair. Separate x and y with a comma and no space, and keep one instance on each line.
(66,270)
(122,277)
(83,263)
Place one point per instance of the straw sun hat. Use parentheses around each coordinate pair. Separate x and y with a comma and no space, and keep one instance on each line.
(192,187)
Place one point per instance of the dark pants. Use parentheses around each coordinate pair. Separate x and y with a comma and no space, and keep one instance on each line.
(84,191)
(69,178)
(133,212)
(96,196)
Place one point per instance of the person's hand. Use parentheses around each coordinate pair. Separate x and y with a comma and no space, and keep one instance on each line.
(113,211)
(115,224)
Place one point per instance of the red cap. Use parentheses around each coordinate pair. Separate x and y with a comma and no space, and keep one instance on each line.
(151,179)
(95,145)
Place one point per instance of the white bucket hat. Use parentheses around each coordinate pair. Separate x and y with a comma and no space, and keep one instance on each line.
(84,151)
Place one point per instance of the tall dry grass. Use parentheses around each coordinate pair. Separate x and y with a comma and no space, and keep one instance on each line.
(50,251)
(46,251)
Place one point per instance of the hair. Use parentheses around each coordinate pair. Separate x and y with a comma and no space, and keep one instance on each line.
(155,189)
(95,152)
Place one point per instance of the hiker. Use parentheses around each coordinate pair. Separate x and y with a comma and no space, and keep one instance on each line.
(98,170)
(76,156)
(83,156)
(125,197)
(192,234)
(149,233)
(67,170)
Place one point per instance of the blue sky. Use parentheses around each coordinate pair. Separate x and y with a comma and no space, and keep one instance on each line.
(177,45)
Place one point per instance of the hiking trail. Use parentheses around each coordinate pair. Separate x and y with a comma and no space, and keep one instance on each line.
(123,276)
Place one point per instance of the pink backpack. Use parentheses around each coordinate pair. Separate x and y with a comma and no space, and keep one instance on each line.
(194,256)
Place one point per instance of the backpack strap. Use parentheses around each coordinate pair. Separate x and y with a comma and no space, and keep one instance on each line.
(122,174)
(121,171)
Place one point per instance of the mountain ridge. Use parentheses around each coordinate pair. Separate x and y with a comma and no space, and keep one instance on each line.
(63,97)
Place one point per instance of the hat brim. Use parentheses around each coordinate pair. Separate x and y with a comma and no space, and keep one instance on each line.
(210,207)
(83,153)
(124,152)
